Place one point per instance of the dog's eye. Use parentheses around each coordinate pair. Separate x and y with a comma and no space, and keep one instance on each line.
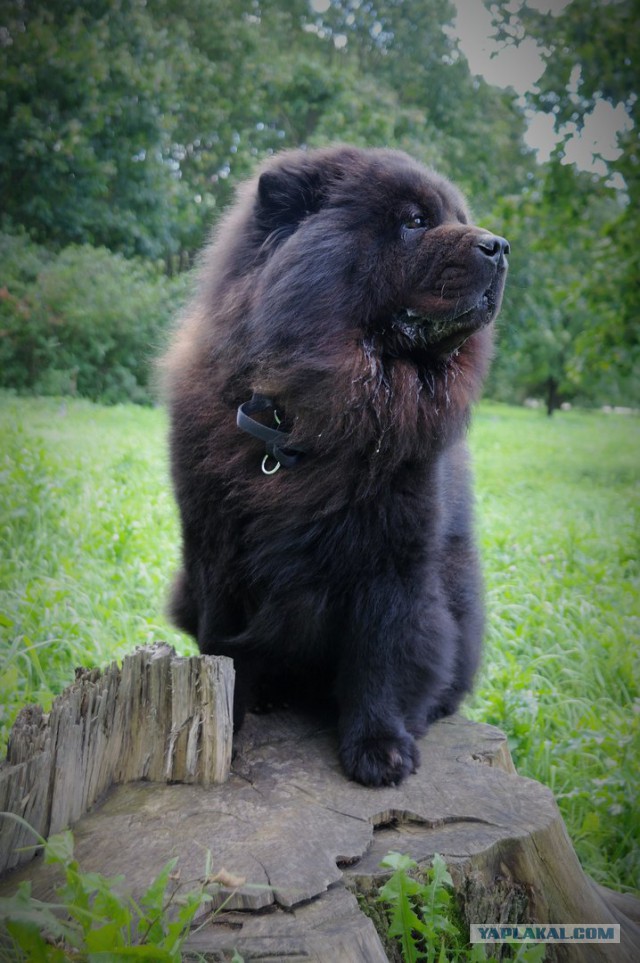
(415,222)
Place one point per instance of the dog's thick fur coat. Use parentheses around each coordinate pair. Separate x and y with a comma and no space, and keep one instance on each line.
(347,287)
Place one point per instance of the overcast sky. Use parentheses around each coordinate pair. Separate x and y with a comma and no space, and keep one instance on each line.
(520,68)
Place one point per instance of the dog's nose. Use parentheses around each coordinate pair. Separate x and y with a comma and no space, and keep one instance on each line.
(493,246)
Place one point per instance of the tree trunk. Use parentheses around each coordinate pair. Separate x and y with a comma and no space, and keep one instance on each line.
(553,398)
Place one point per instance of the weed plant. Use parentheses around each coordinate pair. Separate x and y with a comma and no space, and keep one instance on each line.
(94,918)
(422,916)
(91,538)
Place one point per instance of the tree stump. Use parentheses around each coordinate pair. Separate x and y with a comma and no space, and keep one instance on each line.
(160,718)
(308,843)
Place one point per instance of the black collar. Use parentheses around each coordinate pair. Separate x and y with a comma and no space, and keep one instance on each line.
(275,439)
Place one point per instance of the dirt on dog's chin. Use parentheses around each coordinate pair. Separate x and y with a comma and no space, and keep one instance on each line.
(410,333)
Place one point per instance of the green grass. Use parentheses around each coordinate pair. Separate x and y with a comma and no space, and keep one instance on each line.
(91,537)
(558,514)
(91,540)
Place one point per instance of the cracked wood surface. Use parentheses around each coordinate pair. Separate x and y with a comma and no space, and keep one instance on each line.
(160,717)
(308,842)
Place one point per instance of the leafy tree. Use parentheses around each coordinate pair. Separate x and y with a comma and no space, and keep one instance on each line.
(85,91)
(550,326)
(127,124)
(469,130)
(589,50)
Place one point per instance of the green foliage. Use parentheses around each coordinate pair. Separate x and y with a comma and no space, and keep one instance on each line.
(576,312)
(419,912)
(84,91)
(562,333)
(126,124)
(21,261)
(93,919)
(423,918)
(468,130)
(589,51)
(85,321)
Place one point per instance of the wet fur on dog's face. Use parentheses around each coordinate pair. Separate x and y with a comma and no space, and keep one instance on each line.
(349,288)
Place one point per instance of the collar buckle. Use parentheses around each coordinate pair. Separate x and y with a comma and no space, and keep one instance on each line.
(275,439)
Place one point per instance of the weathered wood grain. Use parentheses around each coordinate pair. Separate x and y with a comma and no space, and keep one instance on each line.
(160,718)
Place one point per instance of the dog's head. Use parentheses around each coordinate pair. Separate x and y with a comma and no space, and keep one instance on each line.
(381,243)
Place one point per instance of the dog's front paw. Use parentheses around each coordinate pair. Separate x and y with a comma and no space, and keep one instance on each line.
(381,761)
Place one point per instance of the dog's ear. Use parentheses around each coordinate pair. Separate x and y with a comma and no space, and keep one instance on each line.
(286,196)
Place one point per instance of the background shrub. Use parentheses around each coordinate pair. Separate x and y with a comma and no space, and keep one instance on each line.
(83,322)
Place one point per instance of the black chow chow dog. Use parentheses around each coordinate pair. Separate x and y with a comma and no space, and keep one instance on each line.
(319,390)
